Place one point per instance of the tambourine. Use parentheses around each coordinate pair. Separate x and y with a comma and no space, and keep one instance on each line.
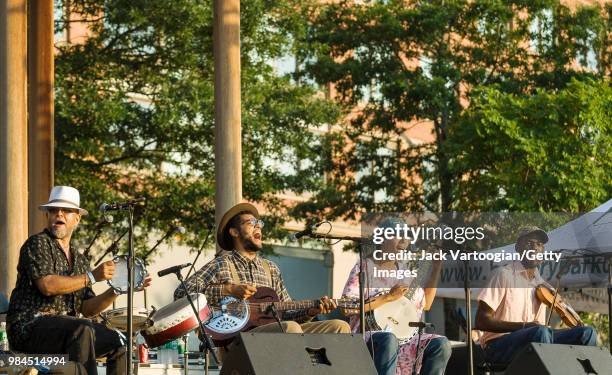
(120,281)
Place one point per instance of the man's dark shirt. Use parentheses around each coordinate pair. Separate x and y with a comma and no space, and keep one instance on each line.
(42,255)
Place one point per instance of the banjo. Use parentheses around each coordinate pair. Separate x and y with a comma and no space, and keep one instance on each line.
(395,316)
(391,317)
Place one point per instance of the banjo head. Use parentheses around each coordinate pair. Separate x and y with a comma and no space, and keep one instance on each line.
(395,316)
(231,316)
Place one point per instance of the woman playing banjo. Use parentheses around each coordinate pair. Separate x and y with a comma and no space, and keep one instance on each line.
(393,356)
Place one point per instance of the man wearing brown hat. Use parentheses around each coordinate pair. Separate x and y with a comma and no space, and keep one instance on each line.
(241,271)
(511,314)
(53,295)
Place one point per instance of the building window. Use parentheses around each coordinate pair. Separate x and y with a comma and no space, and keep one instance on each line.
(541,30)
(588,57)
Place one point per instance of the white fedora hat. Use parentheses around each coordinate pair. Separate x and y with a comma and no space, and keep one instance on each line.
(64,197)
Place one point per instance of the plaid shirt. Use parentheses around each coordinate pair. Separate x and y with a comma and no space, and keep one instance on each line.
(252,272)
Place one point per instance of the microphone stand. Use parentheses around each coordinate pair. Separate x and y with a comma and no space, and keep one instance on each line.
(111,248)
(199,251)
(468,311)
(608,259)
(468,304)
(361,292)
(272,309)
(95,237)
(130,301)
(129,207)
(99,228)
(148,253)
(416,357)
(359,242)
(609,302)
(207,343)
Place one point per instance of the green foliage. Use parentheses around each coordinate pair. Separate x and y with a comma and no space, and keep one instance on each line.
(134,112)
(600,323)
(541,152)
(406,65)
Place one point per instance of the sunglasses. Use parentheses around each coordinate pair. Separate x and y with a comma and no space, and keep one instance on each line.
(254,222)
(56,210)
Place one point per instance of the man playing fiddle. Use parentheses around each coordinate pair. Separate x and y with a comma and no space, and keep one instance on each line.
(509,312)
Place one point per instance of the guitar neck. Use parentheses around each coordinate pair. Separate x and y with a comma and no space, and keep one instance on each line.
(307,304)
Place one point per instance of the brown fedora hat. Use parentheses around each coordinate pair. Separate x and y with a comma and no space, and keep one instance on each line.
(223,237)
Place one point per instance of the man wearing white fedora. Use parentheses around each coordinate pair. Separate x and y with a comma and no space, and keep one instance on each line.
(53,297)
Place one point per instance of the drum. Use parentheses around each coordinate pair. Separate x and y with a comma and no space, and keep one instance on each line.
(117,318)
(175,320)
(119,282)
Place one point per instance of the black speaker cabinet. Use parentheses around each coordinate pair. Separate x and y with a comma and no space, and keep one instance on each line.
(291,353)
(554,359)
(458,362)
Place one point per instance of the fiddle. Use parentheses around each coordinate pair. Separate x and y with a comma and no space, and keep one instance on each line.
(548,296)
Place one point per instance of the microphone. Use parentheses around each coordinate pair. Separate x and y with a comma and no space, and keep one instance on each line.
(178,229)
(106,219)
(306,232)
(419,324)
(172,269)
(104,207)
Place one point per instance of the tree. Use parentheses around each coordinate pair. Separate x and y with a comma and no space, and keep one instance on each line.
(405,64)
(134,111)
(540,152)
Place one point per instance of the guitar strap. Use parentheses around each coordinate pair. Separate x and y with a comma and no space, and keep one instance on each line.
(232,267)
(236,279)
(266,268)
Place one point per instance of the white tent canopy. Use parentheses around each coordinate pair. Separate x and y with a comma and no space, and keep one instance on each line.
(591,231)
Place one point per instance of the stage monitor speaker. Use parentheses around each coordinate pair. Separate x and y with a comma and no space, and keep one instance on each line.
(554,359)
(458,362)
(292,353)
